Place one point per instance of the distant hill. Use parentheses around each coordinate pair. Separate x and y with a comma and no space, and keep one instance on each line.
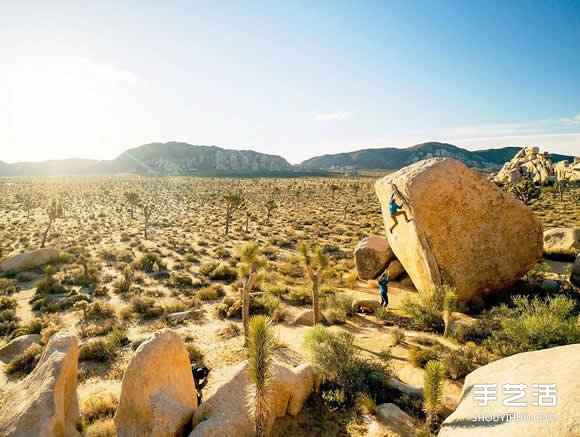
(393,158)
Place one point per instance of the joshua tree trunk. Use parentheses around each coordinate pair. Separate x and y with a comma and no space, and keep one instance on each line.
(315,279)
(132,211)
(246,289)
(146,224)
(46,234)
(228,218)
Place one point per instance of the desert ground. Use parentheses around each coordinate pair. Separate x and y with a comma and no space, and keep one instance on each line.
(113,286)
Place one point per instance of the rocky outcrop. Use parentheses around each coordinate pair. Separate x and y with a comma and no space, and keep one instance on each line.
(559,366)
(226,412)
(29,260)
(529,163)
(464,231)
(372,255)
(564,170)
(158,394)
(562,242)
(17,346)
(45,402)
(390,420)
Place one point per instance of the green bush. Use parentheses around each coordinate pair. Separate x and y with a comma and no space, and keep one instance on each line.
(341,367)
(419,357)
(212,292)
(426,308)
(9,286)
(533,324)
(459,363)
(146,307)
(223,272)
(299,296)
(149,263)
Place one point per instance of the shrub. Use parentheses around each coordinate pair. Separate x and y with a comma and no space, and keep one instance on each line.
(99,311)
(275,289)
(99,406)
(458,364)
(207,268)
(195,353)
(433,391)
(149,263)
(419,357)
(398,335)
(426,309)
(533,324)
(339,364)
(334,316)
(342,302)
(25,361)
(146,307)
(181,280)
(8,287)
(299,296)
(103,349)
(223,272)
(366,404)
(212,292)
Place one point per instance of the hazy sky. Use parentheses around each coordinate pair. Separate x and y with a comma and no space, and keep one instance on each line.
(90,79)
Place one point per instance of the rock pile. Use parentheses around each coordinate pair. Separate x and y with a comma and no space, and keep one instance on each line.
(464,231)
(528,162)
(568,171)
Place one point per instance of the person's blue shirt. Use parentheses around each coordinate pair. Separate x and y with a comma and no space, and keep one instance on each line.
(393,207)
(383,285)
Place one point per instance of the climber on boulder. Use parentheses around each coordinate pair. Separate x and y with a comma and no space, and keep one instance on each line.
(393,210)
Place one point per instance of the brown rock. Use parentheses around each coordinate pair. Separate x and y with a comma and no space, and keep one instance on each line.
(158,395)
(29,260)
(372,256)
(304,317)
(559,365)
(45,402)
(226,412)
(464,231)
(395,269)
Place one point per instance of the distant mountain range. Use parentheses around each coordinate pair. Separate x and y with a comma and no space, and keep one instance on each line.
(393,158)
(174,158)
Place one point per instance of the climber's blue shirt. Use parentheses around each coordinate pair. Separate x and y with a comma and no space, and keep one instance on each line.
(393,207)
(383,284)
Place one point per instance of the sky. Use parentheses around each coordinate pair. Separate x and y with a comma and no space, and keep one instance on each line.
(296,79)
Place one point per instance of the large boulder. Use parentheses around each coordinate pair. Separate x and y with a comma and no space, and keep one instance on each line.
(17,346)
(29,260)
(372,256)
(395,269)
(226,412)
(562,242)
(565,170)
(158,395)
(45,402)
(559,365)
(464,231)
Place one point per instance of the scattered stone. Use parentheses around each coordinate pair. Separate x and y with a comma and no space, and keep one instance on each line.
(158,395)
(180,316)
(304,317)
(45,402)
(562,242)
(550,285)
(464,231)
(17,346)
(391,420)
(557,365)
(372,256)
(395,269)
(226,412)
(29,260)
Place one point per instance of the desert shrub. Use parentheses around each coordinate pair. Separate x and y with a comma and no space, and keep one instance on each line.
(123,285)
(351,279)
(196,355)
(149,263)
(433,391)
(458,364)
(365,404)
(8,318)
(103,349)
(426,308)
(174,307)
(146,307)
(207,268)
(25,361)
(99,311)
(299,296)
(101,428)
(342,368)
(339,301)
(538,271)
(49,284)
(269,303)
(212,292)
(275,289)
(9,286)
(532,324)
(223,272)
(398,335)
(334,316)
(231,330)
(181,280)
(419,357)
(99,406)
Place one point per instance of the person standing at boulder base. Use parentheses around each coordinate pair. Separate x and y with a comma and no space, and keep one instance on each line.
(394,210)
(383,281)
(200,378)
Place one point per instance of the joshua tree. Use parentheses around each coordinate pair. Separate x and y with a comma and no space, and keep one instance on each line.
(333,190)
(260,351)
(248,217)
(27,201)
(132,199)
(449,305)
(251,261)
(234,201)
(148,210)
(270,206)
(54,210)
(525,190)
(561,187)
(433,391)
(315,264)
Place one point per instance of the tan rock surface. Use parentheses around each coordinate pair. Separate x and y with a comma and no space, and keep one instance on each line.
(559,365)
(391,421)
(372,256)
(45,402)
(158,395)
(226,412)
(395,269)
(562,242)
(464,231)
(18,345)
(29,260)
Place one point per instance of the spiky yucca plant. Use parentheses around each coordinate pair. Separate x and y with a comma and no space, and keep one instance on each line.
(316,262)
(449,305)
(260,350)
(366,404)
(433,391)
(251,261)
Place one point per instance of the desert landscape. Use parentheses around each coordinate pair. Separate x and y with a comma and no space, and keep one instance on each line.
(134,260)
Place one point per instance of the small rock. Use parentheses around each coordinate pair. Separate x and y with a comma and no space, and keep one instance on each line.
(550,285)
(305,317)
(392,421)
(562,242)
(17,346)
(395,269)
(29,260)
(180,316)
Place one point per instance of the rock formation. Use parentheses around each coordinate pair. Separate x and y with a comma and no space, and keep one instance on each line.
(45,402)
(29,260)
(559,366)
(226,413)
(566,171)
(158,395)
(562,242)
(464,231)
(528,162)
(372,255)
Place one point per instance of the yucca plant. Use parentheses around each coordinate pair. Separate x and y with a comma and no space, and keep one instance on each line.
(449,305)
(54,210)
(251,261)
(433,391)
(315,262)
(366,404)
(260,350)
